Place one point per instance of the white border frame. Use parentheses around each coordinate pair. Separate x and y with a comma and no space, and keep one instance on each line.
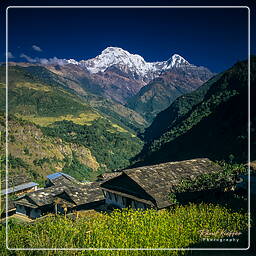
(130,249)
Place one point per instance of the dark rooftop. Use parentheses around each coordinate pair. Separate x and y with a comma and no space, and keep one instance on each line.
(79,194)
(108,175)
(158,180)
(15,180)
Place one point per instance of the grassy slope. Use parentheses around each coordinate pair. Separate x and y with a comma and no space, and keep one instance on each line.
(178,109)
(38,96)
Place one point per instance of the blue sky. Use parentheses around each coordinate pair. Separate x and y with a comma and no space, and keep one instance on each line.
(215,38)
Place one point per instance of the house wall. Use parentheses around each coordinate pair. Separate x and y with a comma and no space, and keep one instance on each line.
(139,205)
(123,202)
(30,212)
(114,199)
(21,209)
(35,213)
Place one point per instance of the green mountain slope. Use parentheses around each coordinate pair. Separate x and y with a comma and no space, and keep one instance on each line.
(56,113)
(178,109)
(99,92)
(27,79)
(35,155)
(162,91)
(215,127)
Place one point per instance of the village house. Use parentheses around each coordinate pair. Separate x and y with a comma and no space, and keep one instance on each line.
(64,195)
(20,189)
(58,177)
(17,186)
(149,186)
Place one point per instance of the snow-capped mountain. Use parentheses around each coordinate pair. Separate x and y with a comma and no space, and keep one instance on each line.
(132,64)
(119,75)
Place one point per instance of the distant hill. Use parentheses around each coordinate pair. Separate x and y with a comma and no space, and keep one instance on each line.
(83,151)
(210,122)
(163,90)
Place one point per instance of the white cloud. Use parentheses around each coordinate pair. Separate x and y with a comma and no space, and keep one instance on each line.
(36,48)
(55,60)
(44,61)
(10,55)
(29,59)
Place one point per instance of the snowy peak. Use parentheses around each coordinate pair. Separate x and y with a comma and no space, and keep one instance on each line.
(115,56)
(72,61)
(132,64)
(177,61)
(116,51)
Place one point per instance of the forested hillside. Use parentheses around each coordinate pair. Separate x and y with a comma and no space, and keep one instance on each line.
(52,128)
(210,122)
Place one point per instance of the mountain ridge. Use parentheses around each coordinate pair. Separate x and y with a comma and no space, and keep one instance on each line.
(210,122)
(163,90)
(115,56)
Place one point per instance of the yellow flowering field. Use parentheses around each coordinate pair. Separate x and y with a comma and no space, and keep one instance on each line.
(179,227)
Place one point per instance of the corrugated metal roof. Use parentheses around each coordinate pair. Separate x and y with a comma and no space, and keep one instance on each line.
(58,174)
(18,188)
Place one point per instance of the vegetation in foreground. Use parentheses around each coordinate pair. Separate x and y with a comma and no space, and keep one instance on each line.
(180,227)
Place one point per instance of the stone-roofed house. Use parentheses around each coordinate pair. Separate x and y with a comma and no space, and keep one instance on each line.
(64,195)
(59,178)
(20,189)
(18,185)
(149,186)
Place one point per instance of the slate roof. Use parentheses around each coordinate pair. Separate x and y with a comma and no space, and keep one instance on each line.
(62,181)
(60,178)
(15,180)
(158,180)
(11,205)
(43,196)
(79,194)
(18,188)
(86,193)
(58,174)
(108,175)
